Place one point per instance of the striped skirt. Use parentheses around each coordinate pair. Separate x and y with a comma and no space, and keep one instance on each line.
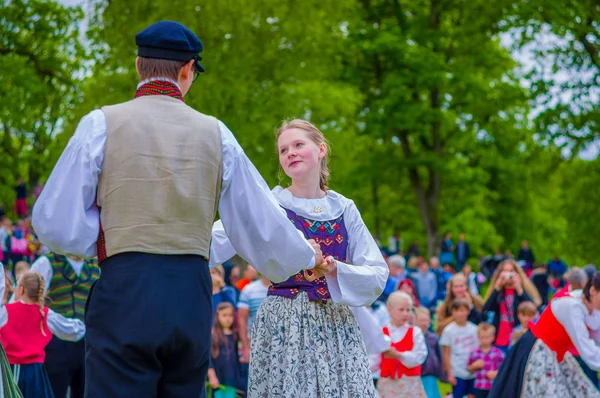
(8,386)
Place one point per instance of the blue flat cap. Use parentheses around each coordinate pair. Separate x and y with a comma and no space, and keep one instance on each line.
(169,40)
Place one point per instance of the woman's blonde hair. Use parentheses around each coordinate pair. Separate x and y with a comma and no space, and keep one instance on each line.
(317,137)
(528,286)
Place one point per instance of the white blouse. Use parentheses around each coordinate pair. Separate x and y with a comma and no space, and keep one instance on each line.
(66,218)
(410,359)
(575,318)
(357,283)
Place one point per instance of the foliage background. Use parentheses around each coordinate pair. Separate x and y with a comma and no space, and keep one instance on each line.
(435,122)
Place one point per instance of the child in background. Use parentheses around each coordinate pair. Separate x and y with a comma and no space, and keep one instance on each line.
(458,340)
(526,312)
(225,363)
(432,369)
(20,268)
(485,360)
(401,367)
(27,328)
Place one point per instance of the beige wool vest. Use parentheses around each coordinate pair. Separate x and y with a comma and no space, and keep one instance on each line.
(161,177)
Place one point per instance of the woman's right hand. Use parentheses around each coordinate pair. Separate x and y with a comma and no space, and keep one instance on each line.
(214,382)
(500,282)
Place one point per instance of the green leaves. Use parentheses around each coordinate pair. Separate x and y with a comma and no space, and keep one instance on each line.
(41,57)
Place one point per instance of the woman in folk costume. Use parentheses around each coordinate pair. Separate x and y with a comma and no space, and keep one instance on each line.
(540,364)
(305,340)
(139,184)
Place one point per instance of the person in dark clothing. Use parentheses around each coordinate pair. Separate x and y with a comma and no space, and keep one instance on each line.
(525,254)
(462,252)
(21,200)
(413,250)
(539,277)
(509,287)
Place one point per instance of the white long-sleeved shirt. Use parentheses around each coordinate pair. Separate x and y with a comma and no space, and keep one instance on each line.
(67,220)
(357,283)
(410,359)
(575,318)
(60,326)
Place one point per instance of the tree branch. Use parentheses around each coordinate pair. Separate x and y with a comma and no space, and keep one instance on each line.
(37,64)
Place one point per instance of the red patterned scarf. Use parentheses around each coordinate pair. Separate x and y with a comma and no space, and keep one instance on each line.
(158,87)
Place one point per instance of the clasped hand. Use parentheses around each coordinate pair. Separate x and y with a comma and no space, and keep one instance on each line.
(324,266)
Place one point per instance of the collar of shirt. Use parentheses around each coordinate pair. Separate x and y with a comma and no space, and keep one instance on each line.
(160,79)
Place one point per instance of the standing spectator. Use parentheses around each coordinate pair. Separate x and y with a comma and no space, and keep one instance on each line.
(557,267)
(539,278)
(250,299)
(220,292)
(472,279)
(21,200)
(250,275)
(432,370)
(397,265)
(407,286)
(5,233)
(426,285)
(590,270)
(526,313)
(225,364)
(442,278)
(462,252)
(413,250)
(457,288)
(485,360)
(458,340)
(447,252)
(525,254)
(509,287)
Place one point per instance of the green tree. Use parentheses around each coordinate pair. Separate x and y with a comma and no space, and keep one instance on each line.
(563,39)
(40,55)
(437,86)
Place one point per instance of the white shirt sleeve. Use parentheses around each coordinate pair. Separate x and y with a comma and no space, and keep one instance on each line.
(221,249)
(375,341)
(67,329)
(418,354)
(362,281)
(65,216)
(257,227)
(572,314)
(43,266)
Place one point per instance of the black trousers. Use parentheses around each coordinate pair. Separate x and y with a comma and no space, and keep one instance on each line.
(65,365)
(148,327)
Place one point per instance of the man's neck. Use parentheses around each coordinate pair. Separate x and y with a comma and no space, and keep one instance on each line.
(486,349)
(461,323)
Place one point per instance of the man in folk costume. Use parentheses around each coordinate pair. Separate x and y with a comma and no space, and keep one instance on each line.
(68,283)
(139,184)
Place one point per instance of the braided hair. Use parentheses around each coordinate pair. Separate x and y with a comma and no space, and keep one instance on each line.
(35,289)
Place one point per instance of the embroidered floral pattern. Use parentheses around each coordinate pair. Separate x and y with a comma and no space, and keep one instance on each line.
(306,349)
(546,377)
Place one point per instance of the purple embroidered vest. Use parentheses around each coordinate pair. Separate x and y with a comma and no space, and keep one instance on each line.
(333,238)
